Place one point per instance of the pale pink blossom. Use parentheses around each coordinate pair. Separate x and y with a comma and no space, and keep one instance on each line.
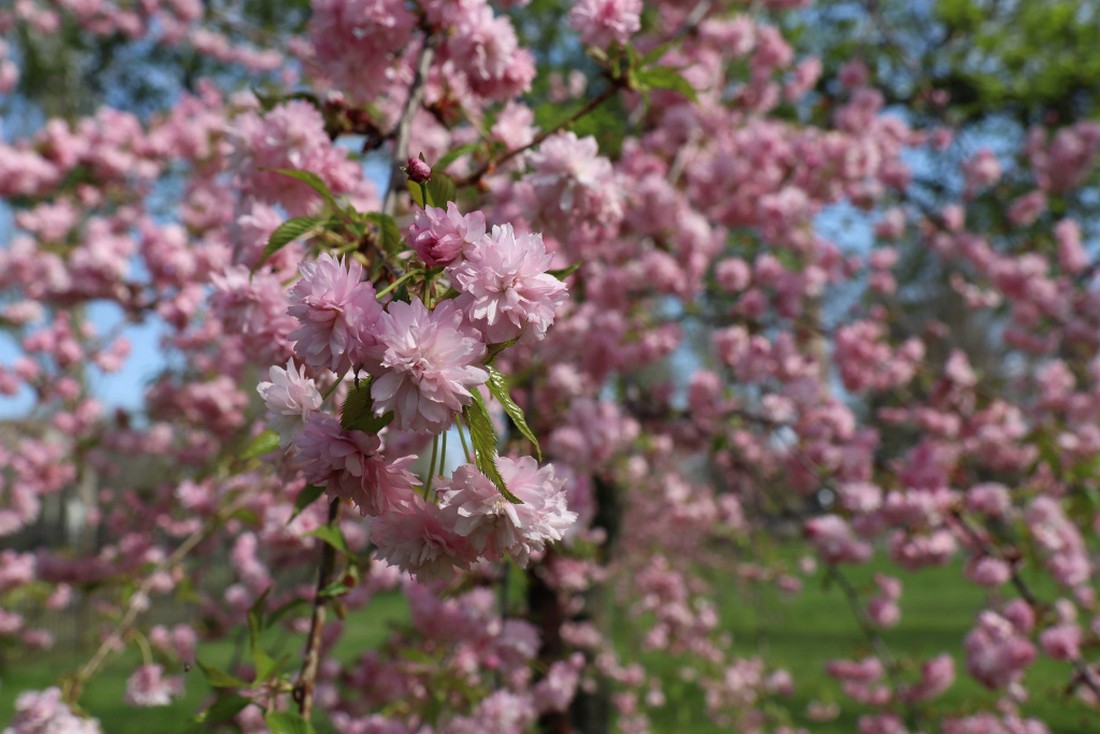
(495,526)
(148,686)
(603,22)
(290,396)
(43,712)
(416,538)
(505,288)
(440,237)
(428,363)
(349,465)
(337,311)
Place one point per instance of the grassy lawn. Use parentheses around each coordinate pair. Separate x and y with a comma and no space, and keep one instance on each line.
(799,632)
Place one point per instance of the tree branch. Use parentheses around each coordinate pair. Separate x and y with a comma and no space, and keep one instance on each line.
(311,661)
(404,126)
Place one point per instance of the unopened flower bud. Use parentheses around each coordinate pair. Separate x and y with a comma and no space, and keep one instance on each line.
(418,170)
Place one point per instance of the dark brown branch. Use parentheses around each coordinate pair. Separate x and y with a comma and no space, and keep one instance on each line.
(1082,672)
(311,661)
(588,108)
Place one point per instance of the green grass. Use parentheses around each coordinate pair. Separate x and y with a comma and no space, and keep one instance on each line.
(103,697)
(800,632)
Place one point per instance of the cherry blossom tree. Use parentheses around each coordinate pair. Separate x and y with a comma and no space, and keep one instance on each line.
(587,341)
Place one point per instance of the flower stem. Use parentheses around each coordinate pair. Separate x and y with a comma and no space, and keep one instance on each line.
(382,293)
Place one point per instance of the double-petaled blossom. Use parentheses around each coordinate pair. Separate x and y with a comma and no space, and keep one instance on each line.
(43,712)
(505,287)
(428,363)
(290,396)
(601,22)
(349,465)
(440,236)
(148,686)
(337,311)
(495,526)
(416,538)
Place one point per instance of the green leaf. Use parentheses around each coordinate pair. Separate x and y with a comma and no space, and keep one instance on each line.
(336,588)
(256,619)
(498,386)
(358,412)
(389,235)
(310,179)
(452,156)
(416,192)
(484,439)
(287,722)
(563,273)
(441,189)
(286,233)
(268,667)
(333,537)
(306,498)
(262,444)
(655,55)
(224,708)
(665,77)
(216,678)
(284,610)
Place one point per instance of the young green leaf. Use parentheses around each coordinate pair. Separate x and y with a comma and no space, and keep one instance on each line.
(389,235)
(262,444)
(358,412)
(452,156)
(306,497)
(441,189)
(286,233)
(416,192)
(224,708)
(287,722)
(665,77)
(484,439)
(216,678)
(563,273)
(310,179)
(333,537)
(498,386)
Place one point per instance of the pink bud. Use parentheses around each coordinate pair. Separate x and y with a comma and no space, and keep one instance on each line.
(418,170)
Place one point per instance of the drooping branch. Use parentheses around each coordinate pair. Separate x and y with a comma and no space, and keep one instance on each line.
(117,637)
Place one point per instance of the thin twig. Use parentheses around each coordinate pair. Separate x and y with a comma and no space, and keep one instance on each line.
(311,661)
(1082,672)
(882,651)
(114,641)
(588,108)
(404,126)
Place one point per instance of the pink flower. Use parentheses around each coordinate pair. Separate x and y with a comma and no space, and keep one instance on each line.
(936,676)
(349,465)
(429,361)
(603,22)
(337,311)
(416,538)
(289,397)
(148,687)
(440,237)
(505,286)
(833,539)
(43,712)
(291,136)
(1061,642)
(492,524)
